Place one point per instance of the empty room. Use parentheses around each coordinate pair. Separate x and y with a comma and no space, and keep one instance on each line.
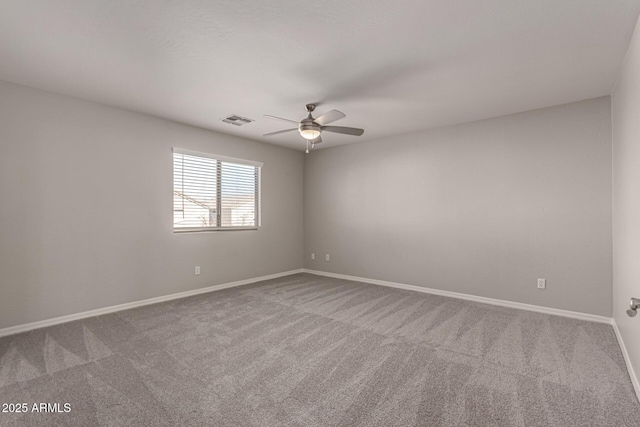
(319,213)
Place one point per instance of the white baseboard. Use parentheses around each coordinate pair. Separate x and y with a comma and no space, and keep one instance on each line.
(627,359)
(485,300)
(105,310)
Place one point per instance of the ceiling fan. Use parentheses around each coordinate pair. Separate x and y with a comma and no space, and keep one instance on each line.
(310,128)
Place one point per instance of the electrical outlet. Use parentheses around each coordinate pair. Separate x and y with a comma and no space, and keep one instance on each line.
(542,283)
(197,270)
(313,255)
(326,257)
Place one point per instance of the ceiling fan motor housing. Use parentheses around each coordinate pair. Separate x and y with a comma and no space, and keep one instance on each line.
(309,127)
(308,124)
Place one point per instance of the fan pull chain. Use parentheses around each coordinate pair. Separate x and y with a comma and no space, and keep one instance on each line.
(307,147)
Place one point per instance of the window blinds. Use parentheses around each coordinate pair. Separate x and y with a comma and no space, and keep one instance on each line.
(214,192)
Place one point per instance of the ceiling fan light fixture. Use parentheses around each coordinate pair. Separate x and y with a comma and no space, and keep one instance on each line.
(309,133)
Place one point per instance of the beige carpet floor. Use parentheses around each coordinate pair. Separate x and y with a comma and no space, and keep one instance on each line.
(305,350)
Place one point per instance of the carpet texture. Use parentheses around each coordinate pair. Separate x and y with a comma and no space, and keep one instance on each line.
(305,350)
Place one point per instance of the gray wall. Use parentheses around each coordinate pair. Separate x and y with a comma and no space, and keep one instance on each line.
(482,208)
(626,198)
(86,209)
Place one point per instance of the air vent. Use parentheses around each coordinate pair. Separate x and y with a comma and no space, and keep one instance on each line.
(236,120)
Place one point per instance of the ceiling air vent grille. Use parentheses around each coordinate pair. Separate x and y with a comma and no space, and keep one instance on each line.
(236,120)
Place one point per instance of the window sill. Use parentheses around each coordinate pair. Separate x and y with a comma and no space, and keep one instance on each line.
(210,229)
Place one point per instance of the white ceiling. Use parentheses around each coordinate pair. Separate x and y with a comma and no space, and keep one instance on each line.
(391,66)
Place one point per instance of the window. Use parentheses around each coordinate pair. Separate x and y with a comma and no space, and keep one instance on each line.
(214,193)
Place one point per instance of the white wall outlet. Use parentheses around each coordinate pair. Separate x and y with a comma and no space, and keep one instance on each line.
(197,270)
(326,257)
(542,283)
(313,255)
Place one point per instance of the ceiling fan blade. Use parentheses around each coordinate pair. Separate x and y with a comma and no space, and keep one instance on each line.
(279,132)
(342,129)
(329,117)
(279,118)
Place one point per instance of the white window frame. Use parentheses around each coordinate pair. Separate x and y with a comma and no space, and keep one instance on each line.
(220,160)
